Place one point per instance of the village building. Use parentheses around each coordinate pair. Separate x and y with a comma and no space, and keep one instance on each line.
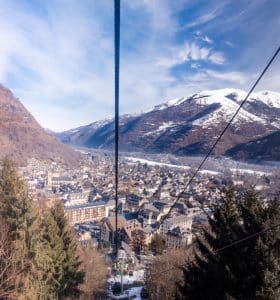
(90,211)
(175,238)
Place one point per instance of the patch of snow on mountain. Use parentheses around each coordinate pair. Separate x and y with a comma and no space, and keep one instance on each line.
(100,123)
(276,124)
(172,102)
(226,97)
(73,130)
(269,98)
(227,109)
(230,93)
(161,128)
(161,106)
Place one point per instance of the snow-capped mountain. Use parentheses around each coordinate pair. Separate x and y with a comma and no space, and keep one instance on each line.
(188,125)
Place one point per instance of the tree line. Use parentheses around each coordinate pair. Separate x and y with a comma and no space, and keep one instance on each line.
(211,269)
(39,255)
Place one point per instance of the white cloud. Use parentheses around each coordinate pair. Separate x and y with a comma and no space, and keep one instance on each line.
(63,62)
(228,43)
(217,58)
(207,39)
(59,59)
(194,65)
(203,38)
(206,17)
(191,52)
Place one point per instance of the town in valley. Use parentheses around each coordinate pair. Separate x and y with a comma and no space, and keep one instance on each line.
(148,188)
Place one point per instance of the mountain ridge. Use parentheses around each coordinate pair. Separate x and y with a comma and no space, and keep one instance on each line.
(21,136)
(187,125)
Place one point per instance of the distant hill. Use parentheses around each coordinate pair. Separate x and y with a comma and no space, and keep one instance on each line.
(265,148)
(21,137)
(188,125)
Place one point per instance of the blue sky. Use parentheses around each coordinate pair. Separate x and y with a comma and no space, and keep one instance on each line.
(57,55)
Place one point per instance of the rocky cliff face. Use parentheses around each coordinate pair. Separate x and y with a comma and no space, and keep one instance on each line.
(187,126)
(21,137)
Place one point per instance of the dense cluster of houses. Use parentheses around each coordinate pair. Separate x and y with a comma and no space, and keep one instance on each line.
(146,195)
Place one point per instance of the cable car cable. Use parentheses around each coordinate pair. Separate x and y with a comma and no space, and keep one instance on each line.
(117,80)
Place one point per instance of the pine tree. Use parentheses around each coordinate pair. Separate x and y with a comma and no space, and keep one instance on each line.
(272,274)
(249,270)
(205,277)
(16,211)
(73,277)
(7,267)
(45,253)
(264,252)
(49,257)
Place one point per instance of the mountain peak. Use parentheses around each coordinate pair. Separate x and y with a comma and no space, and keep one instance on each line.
(269,98)
(188,125)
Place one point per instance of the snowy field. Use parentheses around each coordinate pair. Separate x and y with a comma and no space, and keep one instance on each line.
(137,276)
(249,171)
(214,167)
(154,163)
(133,292)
